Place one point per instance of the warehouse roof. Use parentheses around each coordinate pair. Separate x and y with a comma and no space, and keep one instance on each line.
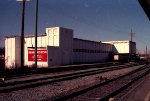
(26,36)
(39,35)
(113,42)
(88,40)
(12,36)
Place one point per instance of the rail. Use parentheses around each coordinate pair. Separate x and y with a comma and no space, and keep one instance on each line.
(14,86)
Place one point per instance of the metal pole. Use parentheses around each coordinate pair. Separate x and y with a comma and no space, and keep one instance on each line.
(36,30)
(131,41)
(146,55)
(22,34)
(146,50)
(130,46)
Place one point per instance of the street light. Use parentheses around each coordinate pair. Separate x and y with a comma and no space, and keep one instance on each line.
(22,31)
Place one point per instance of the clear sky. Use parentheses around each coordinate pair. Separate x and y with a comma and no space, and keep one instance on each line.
(99,20)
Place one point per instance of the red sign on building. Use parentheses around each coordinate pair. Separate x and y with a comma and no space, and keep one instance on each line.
(41,55)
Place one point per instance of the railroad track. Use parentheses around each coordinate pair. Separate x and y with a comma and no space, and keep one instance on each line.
(73,68)
(10,74)
(107,89)
(18,85)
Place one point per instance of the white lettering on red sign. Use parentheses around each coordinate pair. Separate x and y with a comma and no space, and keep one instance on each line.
(41,55)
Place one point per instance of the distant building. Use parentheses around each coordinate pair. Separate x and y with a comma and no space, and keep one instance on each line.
(123,50)
(122,47)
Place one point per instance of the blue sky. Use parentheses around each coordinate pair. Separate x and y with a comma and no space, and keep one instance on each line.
(99,20)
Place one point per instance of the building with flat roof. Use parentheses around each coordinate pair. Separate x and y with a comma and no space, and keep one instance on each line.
(59,47)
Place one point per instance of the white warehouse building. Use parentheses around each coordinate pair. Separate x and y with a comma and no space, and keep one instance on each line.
(58,47)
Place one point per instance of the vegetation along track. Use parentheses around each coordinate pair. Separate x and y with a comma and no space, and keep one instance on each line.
(107,89)
(18,85)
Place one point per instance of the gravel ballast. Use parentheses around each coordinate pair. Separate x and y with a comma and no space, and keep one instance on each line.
(60,88)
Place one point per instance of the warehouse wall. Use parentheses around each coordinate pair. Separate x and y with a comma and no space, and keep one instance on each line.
(123,46)
(12,52)
(30,44)
(64,53)
(66,45)
(132,47)
(56,37)
(90,51)
(54,56)
(51,38)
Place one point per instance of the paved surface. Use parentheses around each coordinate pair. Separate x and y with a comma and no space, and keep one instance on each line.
(142,92)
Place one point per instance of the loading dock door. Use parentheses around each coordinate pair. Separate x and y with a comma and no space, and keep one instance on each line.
(54,56)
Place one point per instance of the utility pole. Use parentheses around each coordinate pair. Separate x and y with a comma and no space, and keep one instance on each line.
(22,34)
(146,50)
(146,55)
(36,30)
(131,46)
(131,40)
(22,31)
